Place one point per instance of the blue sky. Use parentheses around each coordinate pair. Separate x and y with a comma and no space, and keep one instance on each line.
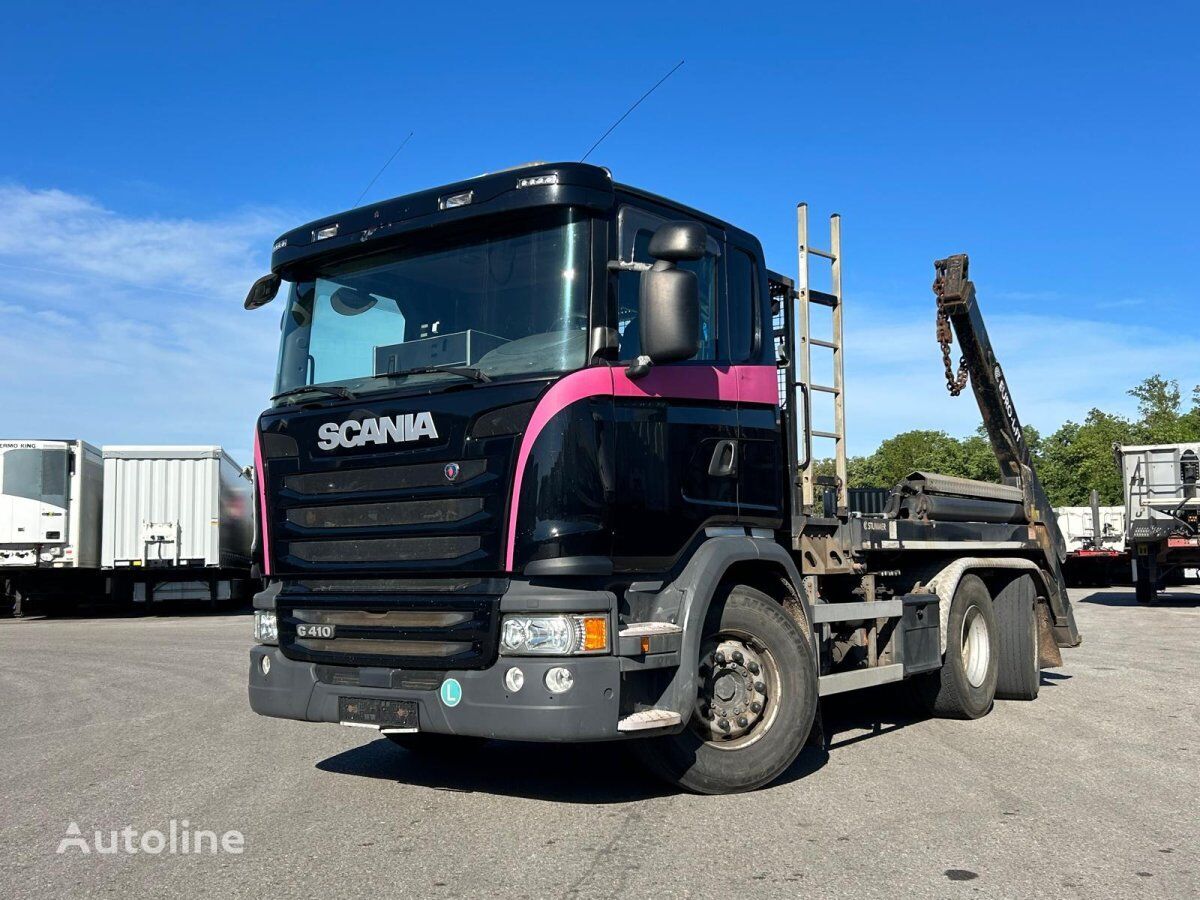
(151,156)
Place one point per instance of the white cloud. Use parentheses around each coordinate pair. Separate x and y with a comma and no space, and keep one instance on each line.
(126,329)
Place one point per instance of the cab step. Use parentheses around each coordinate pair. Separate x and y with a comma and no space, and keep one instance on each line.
(649,718)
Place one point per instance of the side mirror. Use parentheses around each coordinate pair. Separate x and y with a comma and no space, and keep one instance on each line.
(669,315)
(262,291)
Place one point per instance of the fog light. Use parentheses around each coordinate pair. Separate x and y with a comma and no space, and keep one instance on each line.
(514,679)
(559,680)
(266,665)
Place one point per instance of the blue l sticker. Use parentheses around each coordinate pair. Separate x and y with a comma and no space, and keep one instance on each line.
(451,692)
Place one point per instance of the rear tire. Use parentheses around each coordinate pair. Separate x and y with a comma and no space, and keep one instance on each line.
(965,686)
(1018,677)
(707,760)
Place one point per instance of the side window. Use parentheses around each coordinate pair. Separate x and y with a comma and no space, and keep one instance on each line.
(742,275)
(628,282)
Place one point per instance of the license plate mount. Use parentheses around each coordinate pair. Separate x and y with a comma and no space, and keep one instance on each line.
(375,712)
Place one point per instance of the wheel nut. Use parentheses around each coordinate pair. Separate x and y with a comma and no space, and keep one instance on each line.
(723,724)
(719,658)
(738,658)
(760,687)
(743,722)
(755,707)
(753,667)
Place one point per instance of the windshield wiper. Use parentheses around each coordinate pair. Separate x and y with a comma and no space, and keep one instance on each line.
(462,371)
(332,391)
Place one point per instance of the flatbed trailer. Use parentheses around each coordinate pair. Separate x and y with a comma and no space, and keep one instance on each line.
(566,490)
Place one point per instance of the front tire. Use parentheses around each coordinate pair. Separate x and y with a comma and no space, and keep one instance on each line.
(965,686)
(748,726)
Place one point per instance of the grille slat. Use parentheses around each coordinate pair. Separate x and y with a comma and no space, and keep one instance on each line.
(385,550)
(400,512)
(382,478)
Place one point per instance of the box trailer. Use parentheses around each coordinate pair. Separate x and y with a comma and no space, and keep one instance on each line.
(1095,538)
(50,500)
(1162,511)
(177,523)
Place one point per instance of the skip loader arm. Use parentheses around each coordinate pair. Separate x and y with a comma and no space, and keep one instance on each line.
(958,307)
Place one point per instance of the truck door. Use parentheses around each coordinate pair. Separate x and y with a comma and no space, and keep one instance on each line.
(677,426)
(749,347)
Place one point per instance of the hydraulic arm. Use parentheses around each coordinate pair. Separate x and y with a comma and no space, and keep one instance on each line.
(957,307)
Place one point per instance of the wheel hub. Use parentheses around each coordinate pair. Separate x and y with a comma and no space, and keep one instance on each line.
(732,693)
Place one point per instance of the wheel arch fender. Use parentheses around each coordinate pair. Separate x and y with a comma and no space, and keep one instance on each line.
(687,599)
(946,581)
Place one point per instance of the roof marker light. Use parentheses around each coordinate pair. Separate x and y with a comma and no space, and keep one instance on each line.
(456,200)
(328,231)
(536,180)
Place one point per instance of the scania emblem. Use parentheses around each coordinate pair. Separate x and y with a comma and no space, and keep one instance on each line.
(385,429)
(451,471)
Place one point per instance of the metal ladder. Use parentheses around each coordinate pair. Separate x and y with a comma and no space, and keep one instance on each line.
(807,296)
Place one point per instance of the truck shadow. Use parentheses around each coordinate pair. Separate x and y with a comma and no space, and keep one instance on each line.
(598,773)
(1187,597)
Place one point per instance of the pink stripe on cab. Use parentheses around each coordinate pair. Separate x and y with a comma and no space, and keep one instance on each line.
(261,488)
(750,384)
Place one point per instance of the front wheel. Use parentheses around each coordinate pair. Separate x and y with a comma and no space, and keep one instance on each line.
(755,702)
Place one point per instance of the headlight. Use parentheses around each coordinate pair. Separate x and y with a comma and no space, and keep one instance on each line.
(266,628)
(554,635)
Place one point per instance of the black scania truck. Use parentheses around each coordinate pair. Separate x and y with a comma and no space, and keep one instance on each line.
(539,467)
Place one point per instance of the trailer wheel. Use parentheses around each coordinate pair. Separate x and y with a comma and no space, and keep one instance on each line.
(430,744)
(1145,588)
(965,686)
(1018,677)
(756,700)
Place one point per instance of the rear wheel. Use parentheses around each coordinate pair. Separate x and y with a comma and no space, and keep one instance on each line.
(755,702)
(965,686)
(1018,677)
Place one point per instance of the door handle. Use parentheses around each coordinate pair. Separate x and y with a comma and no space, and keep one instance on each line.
(724,459)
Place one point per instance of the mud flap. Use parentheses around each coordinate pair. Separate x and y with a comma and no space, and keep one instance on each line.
(1049,656)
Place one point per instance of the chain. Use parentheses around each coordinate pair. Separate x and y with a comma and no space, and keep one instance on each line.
(954,383)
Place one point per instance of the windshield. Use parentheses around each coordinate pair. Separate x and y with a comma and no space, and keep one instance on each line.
(508,303)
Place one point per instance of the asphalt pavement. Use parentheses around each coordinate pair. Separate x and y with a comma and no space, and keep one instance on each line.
(128,724)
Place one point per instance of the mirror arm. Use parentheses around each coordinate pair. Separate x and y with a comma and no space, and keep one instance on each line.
(639,368)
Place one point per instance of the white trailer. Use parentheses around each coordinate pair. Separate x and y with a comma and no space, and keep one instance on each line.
(1162,511)
(50,501)
(178,523)
(1095,539)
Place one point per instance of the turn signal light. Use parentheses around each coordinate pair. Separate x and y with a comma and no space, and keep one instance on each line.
(595,633)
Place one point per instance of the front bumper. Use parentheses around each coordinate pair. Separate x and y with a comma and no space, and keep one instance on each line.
(588,712)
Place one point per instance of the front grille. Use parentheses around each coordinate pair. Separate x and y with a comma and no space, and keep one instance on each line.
(386,550)
(394,631)
(400,518)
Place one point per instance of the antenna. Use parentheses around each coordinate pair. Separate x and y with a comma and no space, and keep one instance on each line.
(613,126)
(395,153)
